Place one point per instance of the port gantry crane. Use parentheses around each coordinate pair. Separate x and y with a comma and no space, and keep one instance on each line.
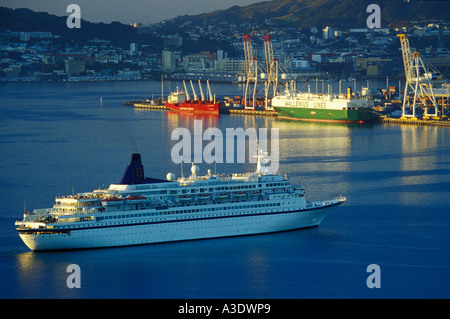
(420,77)
(271,69)
(251,71)
(268,74)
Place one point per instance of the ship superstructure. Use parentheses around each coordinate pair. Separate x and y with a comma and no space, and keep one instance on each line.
(141,210)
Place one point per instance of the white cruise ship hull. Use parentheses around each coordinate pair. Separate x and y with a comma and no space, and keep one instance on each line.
(178,230)
(141,210)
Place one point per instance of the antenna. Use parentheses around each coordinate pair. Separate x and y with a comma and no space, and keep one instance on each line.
(162,87)
(182,175)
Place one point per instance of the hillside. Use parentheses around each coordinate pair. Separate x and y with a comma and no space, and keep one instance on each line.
(339,13)
(28,20)
(297,13)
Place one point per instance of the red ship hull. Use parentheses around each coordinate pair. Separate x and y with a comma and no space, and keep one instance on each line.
(195,107)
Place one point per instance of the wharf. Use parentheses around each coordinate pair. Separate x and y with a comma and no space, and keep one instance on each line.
(160,105)
(414,121)
(227,110)
(147,104)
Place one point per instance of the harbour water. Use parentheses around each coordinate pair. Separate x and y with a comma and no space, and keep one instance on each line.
(58,138)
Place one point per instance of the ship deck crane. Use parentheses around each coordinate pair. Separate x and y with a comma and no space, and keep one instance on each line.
(201,91)
(186,91)
(420,76)
(193,91)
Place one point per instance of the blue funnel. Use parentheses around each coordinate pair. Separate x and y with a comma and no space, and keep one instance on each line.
(134,173)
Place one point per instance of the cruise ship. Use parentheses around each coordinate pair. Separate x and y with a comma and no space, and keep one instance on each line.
(313,107)
(140,210)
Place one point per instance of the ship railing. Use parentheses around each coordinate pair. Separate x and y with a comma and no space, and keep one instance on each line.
(63,211)
(314,204)
(41,216)
(31,217)
(324,203)
(42,211)
(250,177)
(78,211)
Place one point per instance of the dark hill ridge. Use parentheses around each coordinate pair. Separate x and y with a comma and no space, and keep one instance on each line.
(298,13)
(339,13)
(28,20)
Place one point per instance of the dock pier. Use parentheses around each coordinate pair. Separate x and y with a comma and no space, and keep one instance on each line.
(146,104)
(444,121)
(237,111)
(414,121)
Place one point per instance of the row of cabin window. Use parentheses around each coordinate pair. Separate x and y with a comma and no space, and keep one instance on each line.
(197,210)
(201,190)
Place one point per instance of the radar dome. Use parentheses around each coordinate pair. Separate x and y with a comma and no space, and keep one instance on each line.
(195,169)
(170,176)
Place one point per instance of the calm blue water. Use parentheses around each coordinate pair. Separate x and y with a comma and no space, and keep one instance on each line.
(58,139)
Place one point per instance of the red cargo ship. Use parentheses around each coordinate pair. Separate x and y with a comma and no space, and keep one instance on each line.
(178,102)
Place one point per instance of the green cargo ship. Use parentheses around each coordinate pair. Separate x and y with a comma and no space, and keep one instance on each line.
(300,106)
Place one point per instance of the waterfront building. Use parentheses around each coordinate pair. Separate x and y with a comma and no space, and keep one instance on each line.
(230,66)
(74,66)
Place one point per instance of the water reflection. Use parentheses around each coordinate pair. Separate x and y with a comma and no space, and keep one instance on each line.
(304,148)
(43,275)
(171,270)
(176,119)
(316,154)
(258,273)
(419,161)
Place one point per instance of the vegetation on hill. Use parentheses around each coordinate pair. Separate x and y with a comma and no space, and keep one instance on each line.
(338,13)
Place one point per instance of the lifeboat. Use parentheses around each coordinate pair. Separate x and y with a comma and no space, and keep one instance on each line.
(112,201)
(135,198)
(185,198)
(239,194)
(221,195)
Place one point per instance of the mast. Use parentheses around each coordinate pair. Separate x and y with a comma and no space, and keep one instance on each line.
(162,87)
(261,168)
